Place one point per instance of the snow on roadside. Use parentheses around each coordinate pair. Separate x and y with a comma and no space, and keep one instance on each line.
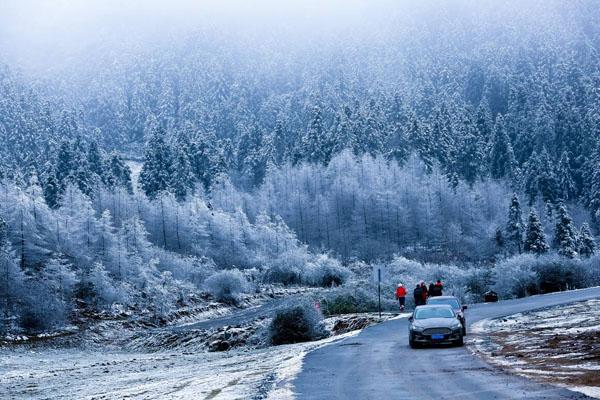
(558,345)
(30,373)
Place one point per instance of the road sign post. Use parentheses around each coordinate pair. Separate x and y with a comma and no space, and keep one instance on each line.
(379,291)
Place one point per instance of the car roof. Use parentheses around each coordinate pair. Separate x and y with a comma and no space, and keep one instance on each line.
(434,306)
(443,297)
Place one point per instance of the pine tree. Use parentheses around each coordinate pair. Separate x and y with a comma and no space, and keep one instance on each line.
(277,145)
(468,154)
(183,179)
(155,176)
(64,165)
(565,239)
(313,146)
(586,244)
(502,158)
(547,182)
(514,226)
(419,136)
(342,132)
(52,192)
(119,174)
(530,178)
(95,162)
(369,139)
(593,196)
(564,176)
(535,239)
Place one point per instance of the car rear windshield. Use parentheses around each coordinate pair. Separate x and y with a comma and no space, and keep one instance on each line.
(434,312)
(451,302)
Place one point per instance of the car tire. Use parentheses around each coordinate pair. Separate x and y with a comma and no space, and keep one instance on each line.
(412,343)
(460,342)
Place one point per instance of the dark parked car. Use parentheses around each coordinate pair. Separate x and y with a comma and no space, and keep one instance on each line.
(453,302)
(490,297)
(434,324)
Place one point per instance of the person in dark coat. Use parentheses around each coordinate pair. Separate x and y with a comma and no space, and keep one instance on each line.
(431,288)
(418,295)
(437,290)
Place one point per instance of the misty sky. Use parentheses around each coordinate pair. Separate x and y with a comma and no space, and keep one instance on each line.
(43,34)
(36,31)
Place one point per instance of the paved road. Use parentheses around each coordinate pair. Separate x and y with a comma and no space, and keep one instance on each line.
(378,364)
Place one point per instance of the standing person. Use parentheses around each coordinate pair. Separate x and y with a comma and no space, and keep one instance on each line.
(438,289)
(401,296)
(431,289)
(418,295)
(424,292)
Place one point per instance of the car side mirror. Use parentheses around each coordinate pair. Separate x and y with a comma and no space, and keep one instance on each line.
(410,319)
(464,308)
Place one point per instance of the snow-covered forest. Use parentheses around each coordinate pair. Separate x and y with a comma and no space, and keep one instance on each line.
(463,134)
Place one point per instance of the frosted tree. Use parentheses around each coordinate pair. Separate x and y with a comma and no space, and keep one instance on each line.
(535,238)
(531,175)
(251,157)
(64,165)
(514,226)
(58,275)
(546,181)
(156,173)
(119,174)
(502,158)
(183,179)
(565,239)
(585,241)
(468,153)
(313,146)
(11,277)
(278,144)
(593,197)
(564,176)
(95,161)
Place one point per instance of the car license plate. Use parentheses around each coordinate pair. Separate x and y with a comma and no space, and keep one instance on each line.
(437,337)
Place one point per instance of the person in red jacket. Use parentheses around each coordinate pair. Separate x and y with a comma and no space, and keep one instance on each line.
(401,296)
(424,292)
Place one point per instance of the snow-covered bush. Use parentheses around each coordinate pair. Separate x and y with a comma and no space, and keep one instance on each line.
(297,323)
(285,270)
(527,274)
(515,276)
(41,309)
(324,271)
(592,271)
(555,273)
(348,301)
(227,285)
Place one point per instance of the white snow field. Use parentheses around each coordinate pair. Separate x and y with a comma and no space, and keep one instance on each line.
(73,374)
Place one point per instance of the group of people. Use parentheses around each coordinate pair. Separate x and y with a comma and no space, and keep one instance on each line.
(421,293)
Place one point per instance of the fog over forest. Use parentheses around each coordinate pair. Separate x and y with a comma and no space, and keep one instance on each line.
(154,151)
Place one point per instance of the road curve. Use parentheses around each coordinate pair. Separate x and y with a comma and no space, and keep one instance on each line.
(378,364)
